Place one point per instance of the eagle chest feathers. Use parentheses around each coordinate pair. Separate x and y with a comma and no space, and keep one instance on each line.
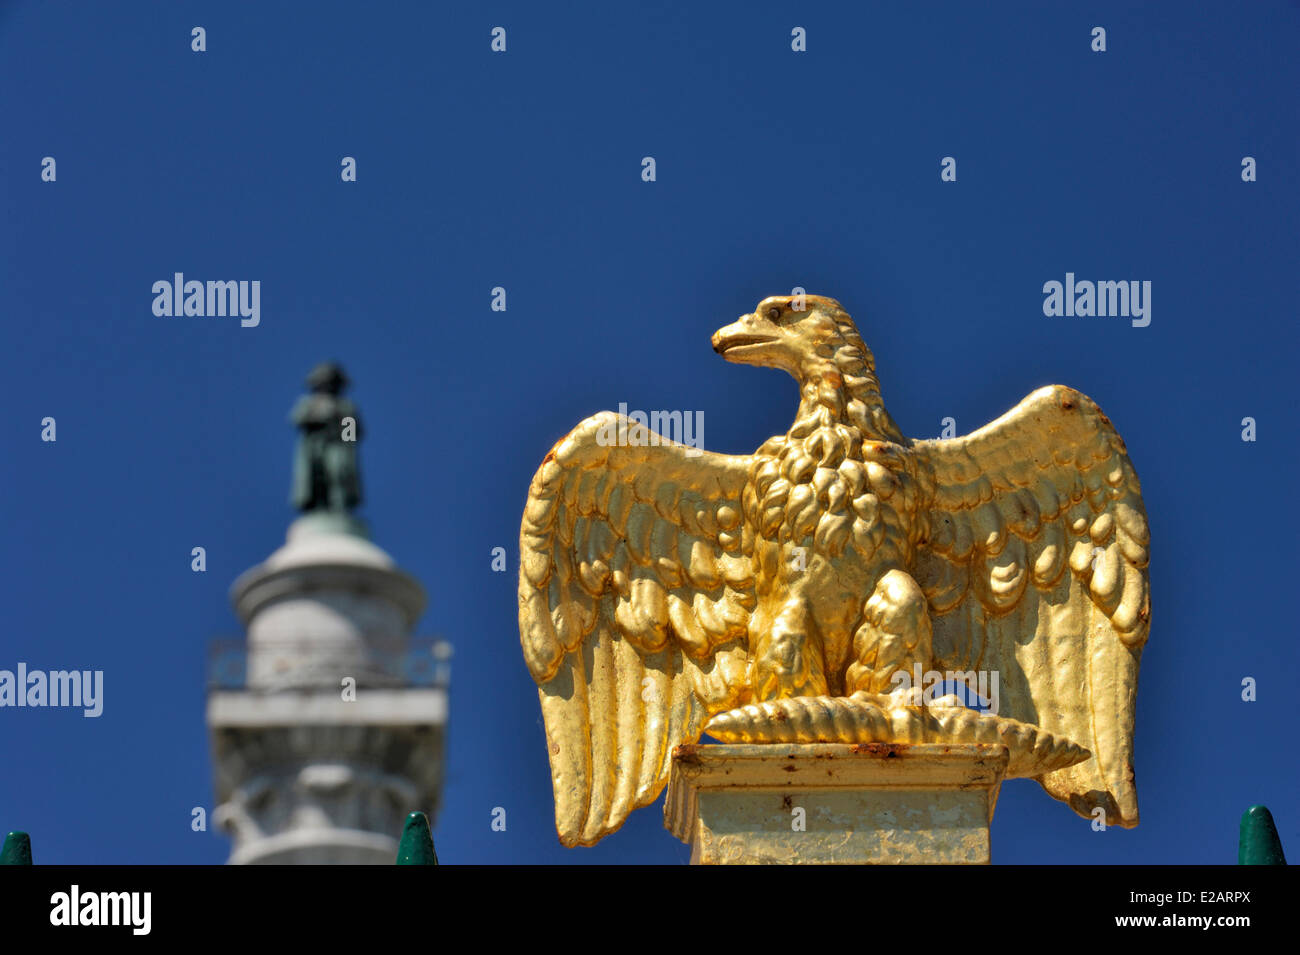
(824,491)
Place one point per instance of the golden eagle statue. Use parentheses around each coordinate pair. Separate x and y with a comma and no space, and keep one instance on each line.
(666,591)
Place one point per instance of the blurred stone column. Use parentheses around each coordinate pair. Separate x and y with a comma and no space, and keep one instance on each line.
(328,746)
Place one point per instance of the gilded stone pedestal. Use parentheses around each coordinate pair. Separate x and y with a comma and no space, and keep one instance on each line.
(835,803)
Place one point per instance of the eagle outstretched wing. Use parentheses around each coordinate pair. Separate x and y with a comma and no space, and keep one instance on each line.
(1034,561)
(634,602)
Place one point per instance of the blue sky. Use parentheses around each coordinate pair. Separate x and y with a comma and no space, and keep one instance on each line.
(523,170)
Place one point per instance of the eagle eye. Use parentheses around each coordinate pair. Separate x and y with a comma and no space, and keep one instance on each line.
(774,313)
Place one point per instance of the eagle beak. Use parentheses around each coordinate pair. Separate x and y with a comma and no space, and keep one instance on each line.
(748,335)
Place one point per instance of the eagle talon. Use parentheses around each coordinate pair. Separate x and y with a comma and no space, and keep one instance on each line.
(788,657)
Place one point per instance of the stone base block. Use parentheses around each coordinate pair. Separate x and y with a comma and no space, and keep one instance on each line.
(835,803)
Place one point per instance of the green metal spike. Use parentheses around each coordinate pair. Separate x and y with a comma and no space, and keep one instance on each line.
(1259,843)
(17,849)
(416,847)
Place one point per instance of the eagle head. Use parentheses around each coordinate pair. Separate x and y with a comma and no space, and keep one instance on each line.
(794,333)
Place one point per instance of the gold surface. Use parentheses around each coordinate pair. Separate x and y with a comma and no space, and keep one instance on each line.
(835,804)
(661,587)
